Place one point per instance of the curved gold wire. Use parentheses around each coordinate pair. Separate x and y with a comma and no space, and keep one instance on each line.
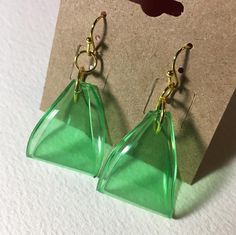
(90,39)
(188,46)
(92,53)
(172,84)
(90,48)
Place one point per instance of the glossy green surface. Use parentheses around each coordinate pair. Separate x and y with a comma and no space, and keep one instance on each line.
(142,167)
(72,133)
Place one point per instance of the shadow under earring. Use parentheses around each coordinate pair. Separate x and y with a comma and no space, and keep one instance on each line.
(73,131)
(142,168)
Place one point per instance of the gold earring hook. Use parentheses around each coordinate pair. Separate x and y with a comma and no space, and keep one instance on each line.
(90,40)
(92,53)
(173,71)
(172,85)
(90,47)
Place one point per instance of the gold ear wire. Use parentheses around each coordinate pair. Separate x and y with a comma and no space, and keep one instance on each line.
(173,71)
(90,47)
(91,52)
(173,83)
(90,40)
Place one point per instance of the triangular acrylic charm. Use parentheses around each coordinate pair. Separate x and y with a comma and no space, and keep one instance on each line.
(72,133)
(142,167)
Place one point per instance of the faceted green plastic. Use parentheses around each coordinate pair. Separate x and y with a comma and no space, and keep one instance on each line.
(142,168)
(72,133)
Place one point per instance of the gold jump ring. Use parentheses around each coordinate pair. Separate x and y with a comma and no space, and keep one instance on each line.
(91,55)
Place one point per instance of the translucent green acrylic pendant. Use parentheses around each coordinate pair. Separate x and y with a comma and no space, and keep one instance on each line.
(72,133)
(142,167)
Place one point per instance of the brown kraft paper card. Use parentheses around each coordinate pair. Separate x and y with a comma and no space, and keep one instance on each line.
(138,50)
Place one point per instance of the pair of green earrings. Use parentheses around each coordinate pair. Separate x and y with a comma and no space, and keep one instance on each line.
(141,169)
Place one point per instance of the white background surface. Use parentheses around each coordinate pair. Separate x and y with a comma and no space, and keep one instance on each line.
(39,198)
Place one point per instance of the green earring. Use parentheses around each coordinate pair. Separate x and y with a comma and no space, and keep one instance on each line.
(142,168)
(73,131)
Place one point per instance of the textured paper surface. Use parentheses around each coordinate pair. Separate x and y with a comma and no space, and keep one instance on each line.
(139,49)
